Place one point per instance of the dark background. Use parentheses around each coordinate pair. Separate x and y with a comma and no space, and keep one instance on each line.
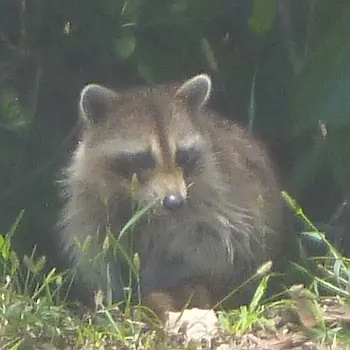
(281,68)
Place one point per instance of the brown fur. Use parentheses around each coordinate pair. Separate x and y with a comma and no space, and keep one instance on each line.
(230,223)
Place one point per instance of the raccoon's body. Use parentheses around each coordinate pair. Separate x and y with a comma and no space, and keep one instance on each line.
(219,214)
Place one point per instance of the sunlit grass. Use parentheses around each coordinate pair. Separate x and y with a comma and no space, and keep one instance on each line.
(34,310)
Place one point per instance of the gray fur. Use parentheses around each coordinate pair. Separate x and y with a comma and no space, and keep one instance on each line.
(232,219)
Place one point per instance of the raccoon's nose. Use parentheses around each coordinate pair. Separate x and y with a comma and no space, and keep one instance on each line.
(173,201)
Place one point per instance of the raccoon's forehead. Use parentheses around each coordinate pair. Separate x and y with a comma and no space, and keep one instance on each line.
(141,118)
(149,108)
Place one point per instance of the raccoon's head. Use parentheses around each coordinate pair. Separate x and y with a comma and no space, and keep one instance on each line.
(153,135)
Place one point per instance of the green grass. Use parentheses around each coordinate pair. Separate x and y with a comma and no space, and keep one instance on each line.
(34,313)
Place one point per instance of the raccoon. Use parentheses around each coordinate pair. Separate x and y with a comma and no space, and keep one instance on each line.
(217,213)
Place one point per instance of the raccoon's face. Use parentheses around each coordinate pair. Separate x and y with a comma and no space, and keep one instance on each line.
(146,144)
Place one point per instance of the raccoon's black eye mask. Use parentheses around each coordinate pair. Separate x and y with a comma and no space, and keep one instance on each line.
(133,163)
(129,164)
(188,158)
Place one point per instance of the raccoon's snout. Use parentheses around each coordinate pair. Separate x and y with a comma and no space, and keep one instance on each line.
(173,201)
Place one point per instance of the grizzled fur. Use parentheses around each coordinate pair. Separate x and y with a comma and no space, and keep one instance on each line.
(225,221)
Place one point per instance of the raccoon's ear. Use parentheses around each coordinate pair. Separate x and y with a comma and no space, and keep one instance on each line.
(95,101)
(196,90)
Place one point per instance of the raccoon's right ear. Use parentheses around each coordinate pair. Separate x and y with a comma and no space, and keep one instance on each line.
(95,101)
(196,91)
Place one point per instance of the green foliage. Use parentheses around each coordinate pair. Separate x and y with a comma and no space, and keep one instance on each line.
(14,116)
(263,16)
(320,97)
(248,316)
(332,270)
(209,54)
(125,46)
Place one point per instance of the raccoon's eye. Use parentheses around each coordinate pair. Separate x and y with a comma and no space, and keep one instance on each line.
(134,163)
(187,159)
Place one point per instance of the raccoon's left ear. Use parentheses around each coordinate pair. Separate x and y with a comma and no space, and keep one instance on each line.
(196,90)
(95,101)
